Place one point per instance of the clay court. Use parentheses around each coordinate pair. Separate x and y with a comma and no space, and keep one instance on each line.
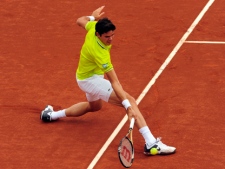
(39,53)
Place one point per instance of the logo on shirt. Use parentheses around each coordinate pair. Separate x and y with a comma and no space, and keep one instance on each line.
(105,65)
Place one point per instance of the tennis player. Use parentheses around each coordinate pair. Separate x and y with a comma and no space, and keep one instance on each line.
(94,63)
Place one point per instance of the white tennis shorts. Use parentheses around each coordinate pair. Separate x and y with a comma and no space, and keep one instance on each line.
(96,87)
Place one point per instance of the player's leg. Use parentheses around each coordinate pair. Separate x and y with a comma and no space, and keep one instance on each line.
(92,90)
(76,110)
(140,121)
(151,143)
(82,108)
(96,88)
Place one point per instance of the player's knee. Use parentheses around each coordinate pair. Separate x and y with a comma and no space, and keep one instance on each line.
(96,108)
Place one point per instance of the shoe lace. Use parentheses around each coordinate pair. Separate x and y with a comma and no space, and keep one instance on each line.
(158,140)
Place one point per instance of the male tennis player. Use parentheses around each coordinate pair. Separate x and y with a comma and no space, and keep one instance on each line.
(93,64)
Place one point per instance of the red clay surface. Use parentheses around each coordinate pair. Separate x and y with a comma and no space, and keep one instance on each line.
(39,52)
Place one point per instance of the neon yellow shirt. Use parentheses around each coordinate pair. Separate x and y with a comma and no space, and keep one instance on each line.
(94,55)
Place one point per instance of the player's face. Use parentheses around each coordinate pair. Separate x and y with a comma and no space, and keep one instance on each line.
(106,38)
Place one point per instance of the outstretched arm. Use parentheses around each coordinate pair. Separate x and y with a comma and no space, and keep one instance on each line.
(120,93)
(116,85)
(96,14)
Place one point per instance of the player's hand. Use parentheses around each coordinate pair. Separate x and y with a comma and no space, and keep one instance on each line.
(98,12)
(131,113)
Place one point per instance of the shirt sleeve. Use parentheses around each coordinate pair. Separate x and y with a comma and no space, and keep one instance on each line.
(90,25)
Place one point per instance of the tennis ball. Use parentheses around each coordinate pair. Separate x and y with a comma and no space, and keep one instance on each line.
(154,151)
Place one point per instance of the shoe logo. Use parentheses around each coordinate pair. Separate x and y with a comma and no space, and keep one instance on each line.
(158,148)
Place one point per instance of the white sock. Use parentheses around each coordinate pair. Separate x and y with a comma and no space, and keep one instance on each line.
(149,138)
(58,114)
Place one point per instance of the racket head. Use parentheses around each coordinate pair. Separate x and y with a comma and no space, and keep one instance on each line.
(126,152)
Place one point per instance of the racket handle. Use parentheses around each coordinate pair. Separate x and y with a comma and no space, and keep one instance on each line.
(132,123)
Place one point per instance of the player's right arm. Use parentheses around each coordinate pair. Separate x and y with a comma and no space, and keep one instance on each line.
(118,89)
(82,21)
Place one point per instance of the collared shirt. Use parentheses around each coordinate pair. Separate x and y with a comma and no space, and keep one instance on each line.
(94,55)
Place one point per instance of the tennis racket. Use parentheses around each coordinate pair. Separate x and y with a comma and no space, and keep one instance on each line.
(126,148)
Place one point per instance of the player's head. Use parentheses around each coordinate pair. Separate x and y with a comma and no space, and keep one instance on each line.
(105,30)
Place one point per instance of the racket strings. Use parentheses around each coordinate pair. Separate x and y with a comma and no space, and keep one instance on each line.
(126,151)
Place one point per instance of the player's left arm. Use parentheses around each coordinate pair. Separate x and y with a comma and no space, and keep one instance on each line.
(96,14)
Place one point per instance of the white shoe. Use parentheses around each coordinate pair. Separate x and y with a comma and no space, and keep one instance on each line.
(46,114)
(159,149)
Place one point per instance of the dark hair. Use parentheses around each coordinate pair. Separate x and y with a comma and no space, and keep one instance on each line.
(104,25)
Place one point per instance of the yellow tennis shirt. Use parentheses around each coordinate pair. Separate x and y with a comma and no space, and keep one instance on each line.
(94,55)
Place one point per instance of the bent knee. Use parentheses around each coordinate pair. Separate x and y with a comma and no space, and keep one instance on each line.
(95,108)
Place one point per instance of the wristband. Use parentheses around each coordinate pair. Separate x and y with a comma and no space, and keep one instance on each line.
(92,18)
(126,103)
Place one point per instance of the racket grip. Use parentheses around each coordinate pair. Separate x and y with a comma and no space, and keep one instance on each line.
(132,123)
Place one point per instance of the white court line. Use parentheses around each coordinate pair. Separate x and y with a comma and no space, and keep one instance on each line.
(169,58)
(206,42)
